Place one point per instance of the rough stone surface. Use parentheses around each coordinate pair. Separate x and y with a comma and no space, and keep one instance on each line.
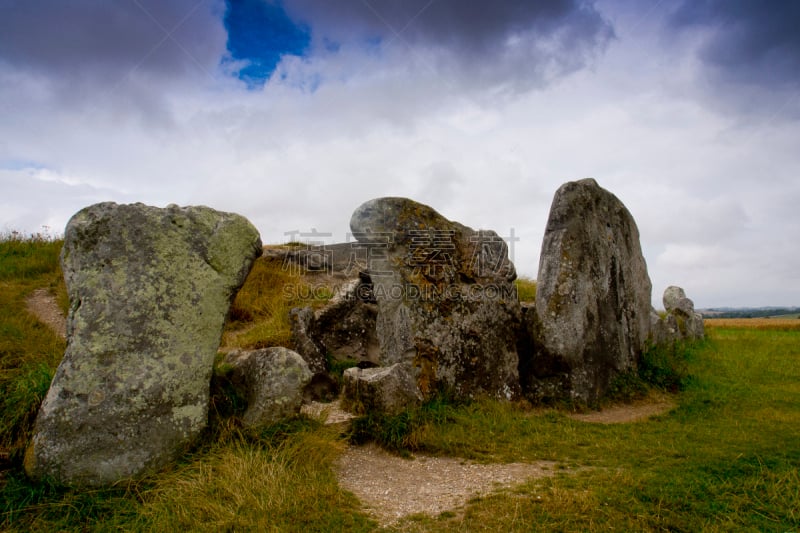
(593,296)
(543,376)
(341,331)
(446,300)
(149,289)
(344,329)
(303,327)
(387,390)
(680,321)
(675,300)
(272,381)
(663,329)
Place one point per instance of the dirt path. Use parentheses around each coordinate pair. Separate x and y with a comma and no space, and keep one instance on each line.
(43,306)
(391,487)
(621,414)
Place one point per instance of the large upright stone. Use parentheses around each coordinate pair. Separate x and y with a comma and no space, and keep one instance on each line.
(149,289)
(447,306)
(593,296)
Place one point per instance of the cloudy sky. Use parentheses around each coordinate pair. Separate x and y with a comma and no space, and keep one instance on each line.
(295,112)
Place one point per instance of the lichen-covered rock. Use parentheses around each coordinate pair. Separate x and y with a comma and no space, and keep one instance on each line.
(388,390)
(593,295)
(446,300)
(302,322)
(343,329)
(272,382)
(680,320)
(149,289)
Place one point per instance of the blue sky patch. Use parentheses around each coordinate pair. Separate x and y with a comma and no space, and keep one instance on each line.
(260,32)
(20,164)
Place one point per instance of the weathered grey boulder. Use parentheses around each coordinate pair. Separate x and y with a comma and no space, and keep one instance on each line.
(387,390)
(272,381)
(341,331)
(344,328)
(149,289)
(663,328)
(593,296)
(675,301)
(446,300)
(680,320)
(303,325)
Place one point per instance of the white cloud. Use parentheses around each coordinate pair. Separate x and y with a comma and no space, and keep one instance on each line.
(714,196)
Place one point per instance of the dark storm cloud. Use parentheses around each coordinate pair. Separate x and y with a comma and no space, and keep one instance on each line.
(101,41)
(753,42)
(510,39)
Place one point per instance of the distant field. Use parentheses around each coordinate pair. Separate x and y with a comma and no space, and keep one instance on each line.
(755,323)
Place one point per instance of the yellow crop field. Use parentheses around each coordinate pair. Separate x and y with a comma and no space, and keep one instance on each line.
(783,324)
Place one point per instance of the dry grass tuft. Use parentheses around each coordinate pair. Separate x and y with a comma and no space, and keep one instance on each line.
(259,315)
(245,486)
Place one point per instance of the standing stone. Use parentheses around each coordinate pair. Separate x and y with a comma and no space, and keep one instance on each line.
(593,296)
(687,324)
(447,304)
(272,380)
(149,289)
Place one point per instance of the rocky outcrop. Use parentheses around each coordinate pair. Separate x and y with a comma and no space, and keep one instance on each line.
(344,329)
(149,289)
(592,314)
(679,322)
(303,324)
(272,382)
(387,390)
(446,303)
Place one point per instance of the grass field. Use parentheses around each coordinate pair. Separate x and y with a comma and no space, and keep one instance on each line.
(754,323)
(725,459)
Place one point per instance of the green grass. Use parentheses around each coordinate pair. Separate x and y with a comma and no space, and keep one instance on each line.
(526,289)
(29,350)
(661,368)
(404,432)
(725,459)
(27,257)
